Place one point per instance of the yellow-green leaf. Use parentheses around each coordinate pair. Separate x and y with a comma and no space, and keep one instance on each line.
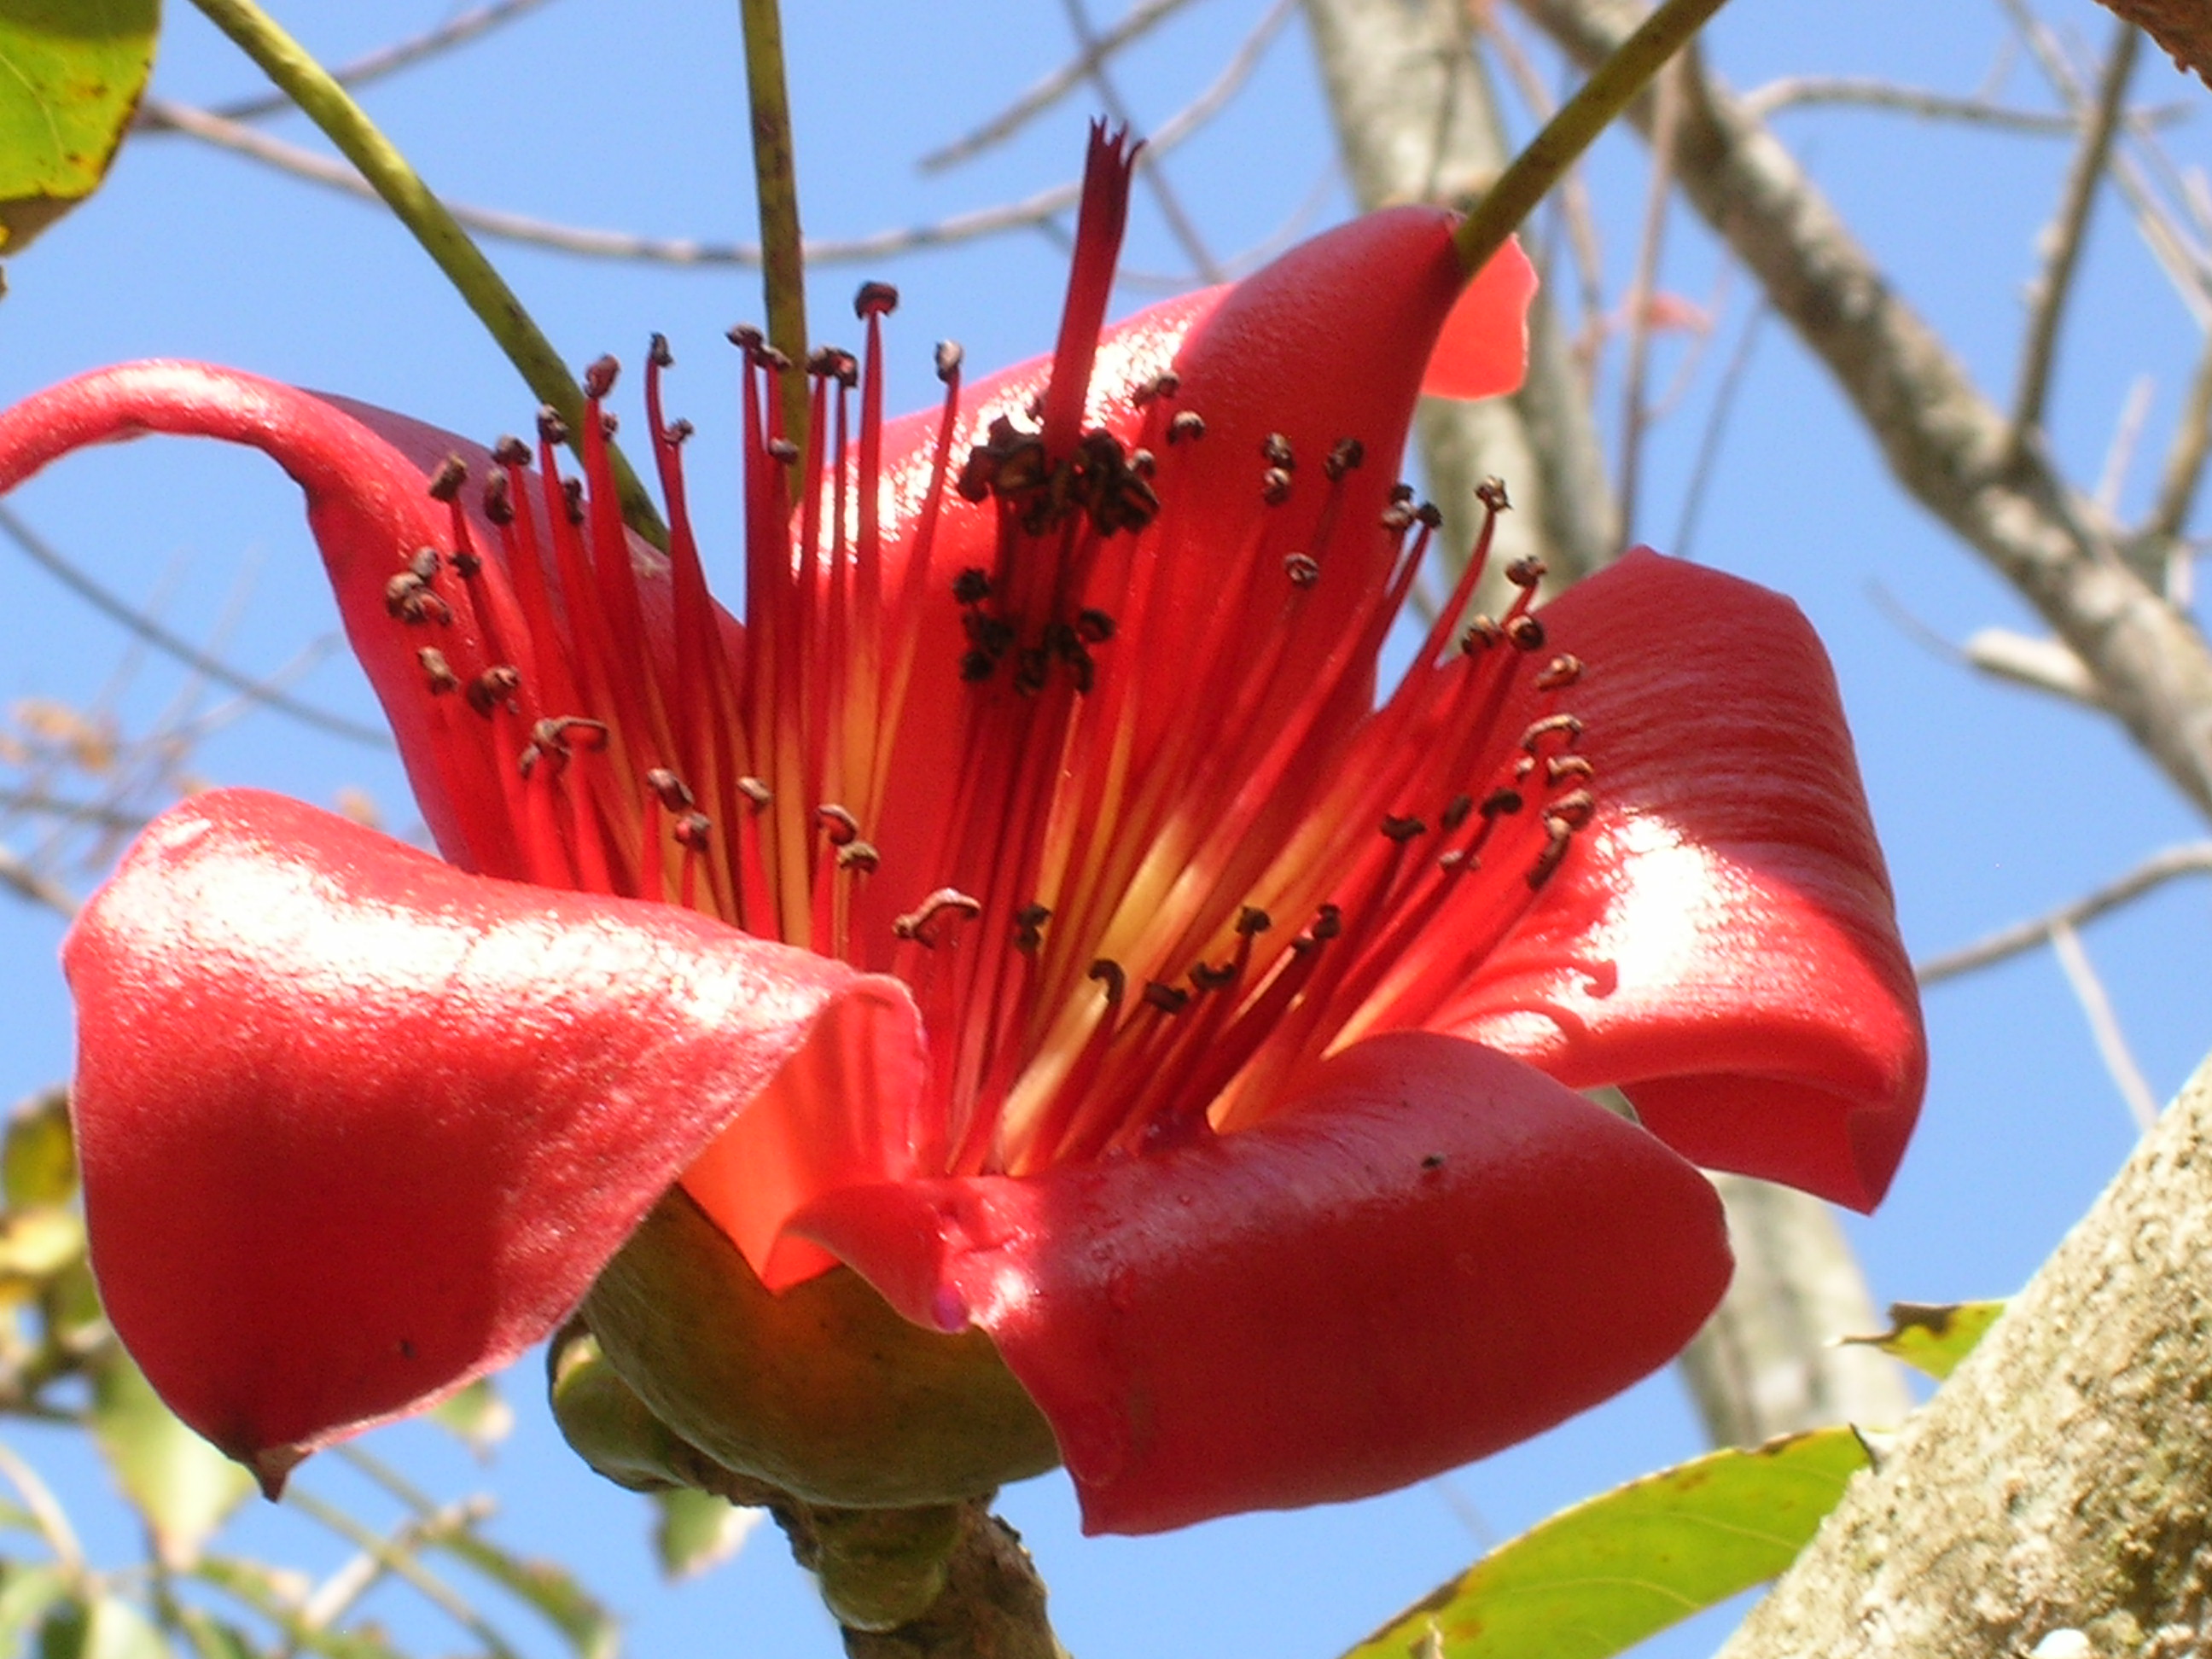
(1606,1574)
(35,1245)
(476,1415)
(109,1628)
(37,1158)
(70,75)
(695,1530)
(1934,1336)
(182,1487)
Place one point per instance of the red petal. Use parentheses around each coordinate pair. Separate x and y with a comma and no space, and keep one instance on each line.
(1432,1254)
(357,1127)
(1484,348)
(1722,940)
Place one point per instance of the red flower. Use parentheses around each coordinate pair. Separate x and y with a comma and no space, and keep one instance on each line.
(1030,906)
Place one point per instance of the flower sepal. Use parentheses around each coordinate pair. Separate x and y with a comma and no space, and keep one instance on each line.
(822,1390)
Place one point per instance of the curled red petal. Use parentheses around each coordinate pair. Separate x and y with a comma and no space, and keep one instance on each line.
(1482,349)
(1431,1254)
(1721,940)
(357,1127)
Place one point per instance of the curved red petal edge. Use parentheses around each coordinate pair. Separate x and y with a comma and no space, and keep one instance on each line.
(1429,1254)
(1722,941)
(357,1128)
(1482,348)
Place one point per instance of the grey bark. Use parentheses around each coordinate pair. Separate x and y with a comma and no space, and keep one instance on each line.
(2061,1480)
(1952,448)
(1417,121)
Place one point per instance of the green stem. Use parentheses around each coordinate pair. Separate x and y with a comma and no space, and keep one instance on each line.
(330,108)
(1569,132)
(775,181)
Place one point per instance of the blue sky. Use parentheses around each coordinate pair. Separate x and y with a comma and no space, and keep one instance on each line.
(1994,803)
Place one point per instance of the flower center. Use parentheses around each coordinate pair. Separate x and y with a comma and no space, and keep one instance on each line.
(1142,847)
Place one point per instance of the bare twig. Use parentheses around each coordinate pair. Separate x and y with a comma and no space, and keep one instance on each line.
(2184,460)
(21,876)
(1809,91)
(1709,443)
(2041,664)
(2120,452)
(1139,20)
(2104,1025)
(59,567)
(2068,231)
(1658,191)
(2189,859)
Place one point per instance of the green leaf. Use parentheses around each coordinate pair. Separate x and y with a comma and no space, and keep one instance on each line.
(1607,1573)
(38,1158)
(70,75)
(1934,1336)
(37,1244)
(183,1487)
(213,1638)
(27,1595)
(476,1416)
(274,1599)
(545,1586)
(110,1628)
(697,1530)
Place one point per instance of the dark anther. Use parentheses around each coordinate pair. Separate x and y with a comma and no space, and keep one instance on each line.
(745,337)
(608,424)
(875,299)
(423,563)
(1558,768)
(1573,808)
(1166,384)
(769,358)
(564,732)
(1093,626)
(1251,919)
(834,363)
(1491,492)
(1560,671)
(1526,633)
(1328,923)
(1398,517)
(1501,803)
(1186,428)
(447,477)
(466,565)
(1559,832)
(694,832)
(782,449)
(1082,671)
(437,671)
(510,450)
(859,856)
(1481,634)
(599,377)
(972,585)
(1455,813)
(550,427)
(976,666)
(1108,974)
(919,923)
(1144,462)
(839,826)
(679,432)
(494,686)
(1401,492)
(1302,569)
(1432,1160)
(1344,456)
(1168,998)
(1210,978)
(1275,449)
(1402,829)
(1539,730)
(498,500)
(949,356)
(408,597)
(670,791)
(1028,927)
(758,794)
(1525,572)
(572,498)
(1032,670)
(1429,515)
(1274,486)
(658,354)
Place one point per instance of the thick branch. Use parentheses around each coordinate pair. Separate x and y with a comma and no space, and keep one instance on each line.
(2059,1481)
(1947,443)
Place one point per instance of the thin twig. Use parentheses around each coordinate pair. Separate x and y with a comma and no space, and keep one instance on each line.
(20,876)
(1808,91)
(50,559)
(2189,859)
(331,109)
(1179,224)
(2104,1025)
(1139,20)
(2120,452)
(2184,460)
(1702,469)
(456,30)
(45,1509)
(2067,233)
(396,1555)
(1665,113)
